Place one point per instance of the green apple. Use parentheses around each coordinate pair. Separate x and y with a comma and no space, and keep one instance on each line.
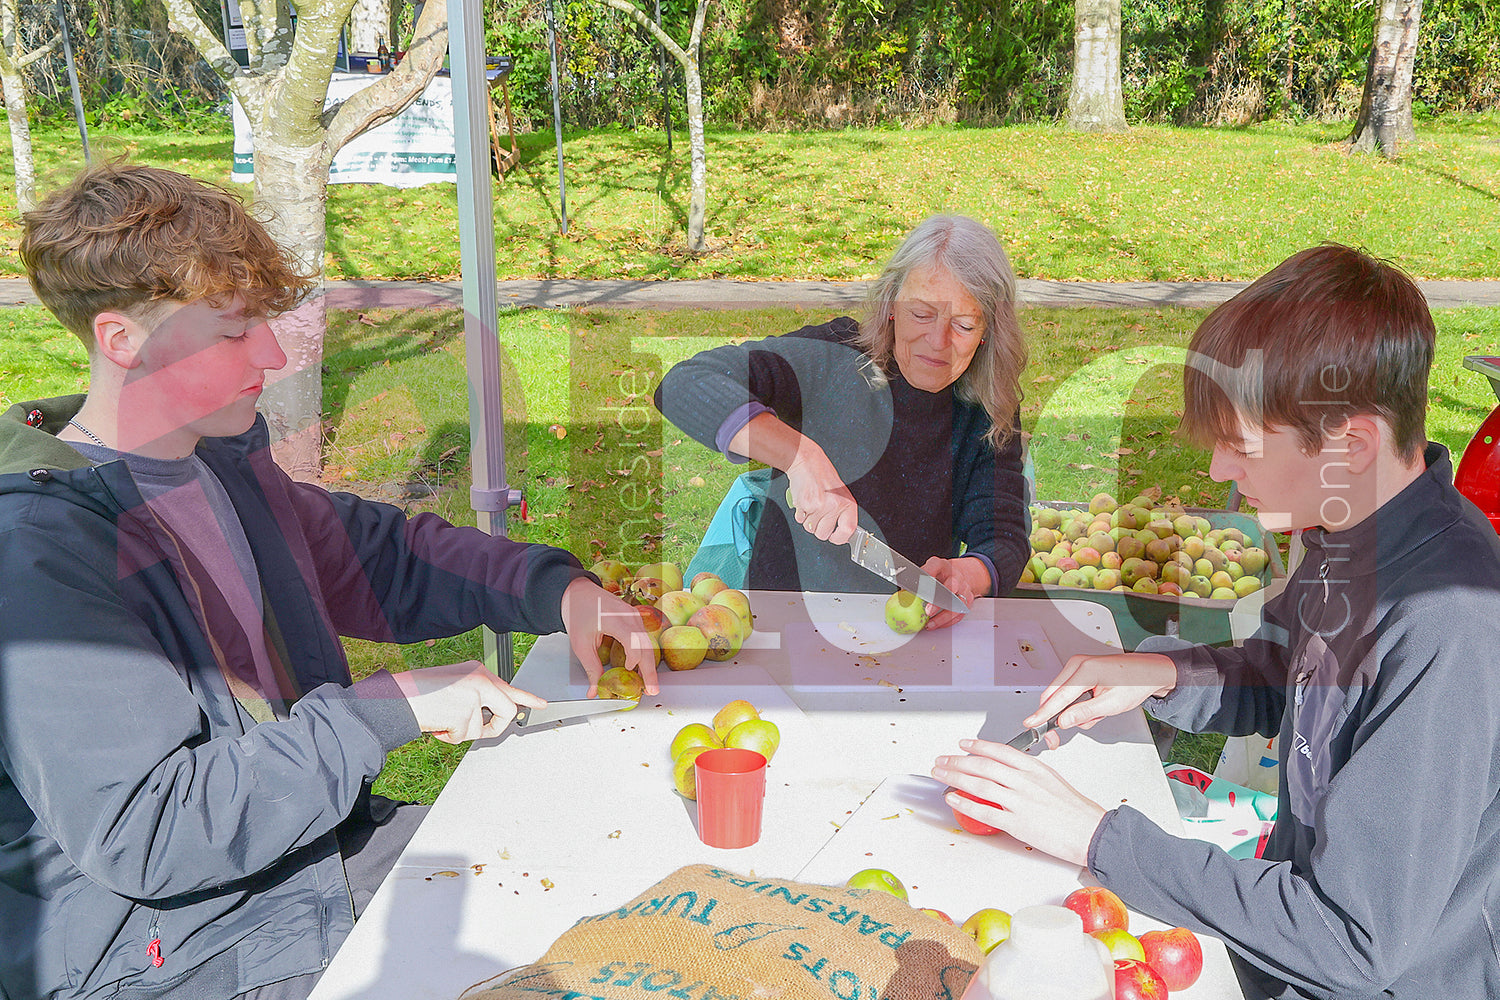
(683,647)
(906,613)
(877,880)
(694,734)
(666,572)
(1121,944)
(760,735)
(612,574)
(621,683)
(679,605)
(732,714)
(988,927)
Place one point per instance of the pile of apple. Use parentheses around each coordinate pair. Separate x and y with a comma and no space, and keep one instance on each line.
(1146,967)
(705,620)
(737,724)
(1142,547)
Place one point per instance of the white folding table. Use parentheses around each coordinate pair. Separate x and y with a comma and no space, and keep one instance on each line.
(535,830)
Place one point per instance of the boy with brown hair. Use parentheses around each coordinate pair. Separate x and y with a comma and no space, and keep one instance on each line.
(1382,876)
(184,761)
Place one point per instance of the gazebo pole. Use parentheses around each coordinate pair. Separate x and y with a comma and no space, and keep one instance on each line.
(489,494)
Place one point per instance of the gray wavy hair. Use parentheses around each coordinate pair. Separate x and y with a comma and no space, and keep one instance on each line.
(969,251)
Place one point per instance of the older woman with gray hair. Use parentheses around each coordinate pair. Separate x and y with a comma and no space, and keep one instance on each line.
(906,423)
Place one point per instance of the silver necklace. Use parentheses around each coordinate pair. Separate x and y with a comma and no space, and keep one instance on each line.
(88,433)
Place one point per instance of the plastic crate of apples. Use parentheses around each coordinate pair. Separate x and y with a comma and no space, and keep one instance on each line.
(1149,549)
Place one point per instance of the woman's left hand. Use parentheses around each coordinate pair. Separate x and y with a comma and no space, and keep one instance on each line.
(965,576)
(1031,801)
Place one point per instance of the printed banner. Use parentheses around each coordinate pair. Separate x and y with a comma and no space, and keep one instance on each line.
(414,148)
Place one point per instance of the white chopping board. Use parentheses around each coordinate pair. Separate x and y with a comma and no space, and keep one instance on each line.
(906,828)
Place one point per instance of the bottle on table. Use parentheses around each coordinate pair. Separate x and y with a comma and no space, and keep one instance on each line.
(383,54)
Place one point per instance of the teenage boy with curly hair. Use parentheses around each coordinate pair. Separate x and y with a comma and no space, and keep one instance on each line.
(184,760)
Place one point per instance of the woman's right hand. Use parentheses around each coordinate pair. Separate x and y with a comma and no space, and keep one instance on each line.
(819,498)
(1119,682)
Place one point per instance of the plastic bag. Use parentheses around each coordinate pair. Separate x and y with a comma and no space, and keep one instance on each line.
(1234,817)
(1252,761)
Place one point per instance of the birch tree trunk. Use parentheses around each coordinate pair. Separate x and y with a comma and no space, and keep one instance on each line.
(283,92)
(688,57)
(1097,101)
(1385,107)
(369,25)
(13,63)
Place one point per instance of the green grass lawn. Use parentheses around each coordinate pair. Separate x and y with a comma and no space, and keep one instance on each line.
(1157,203)
(604,475)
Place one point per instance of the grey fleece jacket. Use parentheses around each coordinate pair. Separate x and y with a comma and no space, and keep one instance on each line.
(1378,667)
(154,840)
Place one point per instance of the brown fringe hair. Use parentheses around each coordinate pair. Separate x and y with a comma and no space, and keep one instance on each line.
(1329,333)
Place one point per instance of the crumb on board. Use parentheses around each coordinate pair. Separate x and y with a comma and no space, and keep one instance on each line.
(615,835)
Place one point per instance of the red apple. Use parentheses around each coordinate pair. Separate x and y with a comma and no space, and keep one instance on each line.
(969,823)
(937,915)
(1175,954)
(1138,981)
(1099,908)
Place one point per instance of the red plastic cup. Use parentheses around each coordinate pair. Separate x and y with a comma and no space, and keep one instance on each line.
(731,789)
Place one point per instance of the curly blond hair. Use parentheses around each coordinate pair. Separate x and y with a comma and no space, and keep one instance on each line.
(126,238)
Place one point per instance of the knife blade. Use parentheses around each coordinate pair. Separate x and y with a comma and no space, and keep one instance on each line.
(560,711)
(1028,738)
(885,562)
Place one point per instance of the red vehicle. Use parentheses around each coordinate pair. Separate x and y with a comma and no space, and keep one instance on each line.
(1478,474)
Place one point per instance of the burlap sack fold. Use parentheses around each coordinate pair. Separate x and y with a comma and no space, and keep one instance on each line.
(703,933)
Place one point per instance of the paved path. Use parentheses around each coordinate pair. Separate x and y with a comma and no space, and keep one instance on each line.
(725,294)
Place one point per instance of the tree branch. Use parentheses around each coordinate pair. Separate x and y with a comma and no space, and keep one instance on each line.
(392,94)
(39,53)
(661,36)
(183,18)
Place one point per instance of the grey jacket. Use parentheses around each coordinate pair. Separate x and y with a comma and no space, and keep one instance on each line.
(154,840)
(1377,666)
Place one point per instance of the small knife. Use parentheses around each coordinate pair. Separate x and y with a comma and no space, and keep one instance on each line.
(560,711)
(1029,738)
(885,562)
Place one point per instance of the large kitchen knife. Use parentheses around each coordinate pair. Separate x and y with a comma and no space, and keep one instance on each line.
(888,564)
(885,562)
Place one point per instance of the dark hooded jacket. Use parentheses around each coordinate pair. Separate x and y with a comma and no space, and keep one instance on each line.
(1376,665)
(154,839)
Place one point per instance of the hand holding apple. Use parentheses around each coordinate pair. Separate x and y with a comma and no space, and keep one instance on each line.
(1035,805)
(966,576)
(590,612)
(969,823)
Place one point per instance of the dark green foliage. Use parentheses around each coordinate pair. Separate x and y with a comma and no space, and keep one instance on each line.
(829,63)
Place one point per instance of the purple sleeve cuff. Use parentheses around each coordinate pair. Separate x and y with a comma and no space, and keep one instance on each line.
(737,419)
(989,564)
